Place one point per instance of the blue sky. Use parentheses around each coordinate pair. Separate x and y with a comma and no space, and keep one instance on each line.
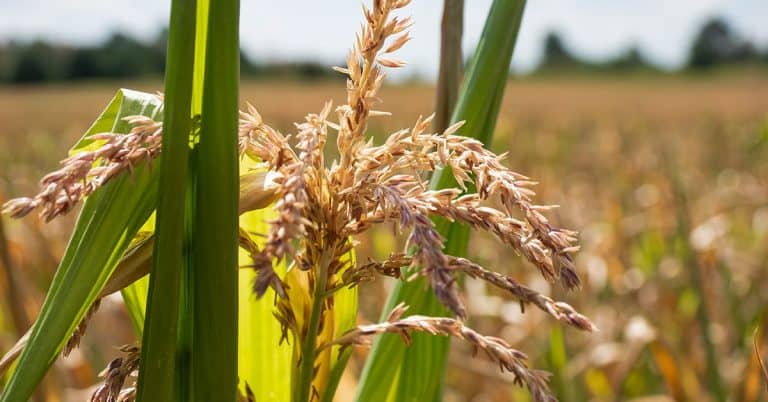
(322,29)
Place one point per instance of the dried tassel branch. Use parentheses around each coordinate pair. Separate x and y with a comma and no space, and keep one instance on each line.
(74,340)
(266,276)
(81,175)
(496,349)
(115,376)
(390,267)
(84,173)
(560,311)
(416,151)
(246,396)
(365,78)
(262,142)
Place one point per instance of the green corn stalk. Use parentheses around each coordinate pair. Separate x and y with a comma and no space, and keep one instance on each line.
(157,374)
(451,62)
(389,372)
(215,230)
(185,336)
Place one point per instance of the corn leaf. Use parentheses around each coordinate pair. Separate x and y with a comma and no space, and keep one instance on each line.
(185,337)
(105,227)
(215,229)
(201,41)
(418,374)
(135,298)
(451,62)
(135,294)
(186,292)
(158,373)
(344,319)
(264,363)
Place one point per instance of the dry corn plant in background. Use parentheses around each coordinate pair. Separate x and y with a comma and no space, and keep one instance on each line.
(322,206)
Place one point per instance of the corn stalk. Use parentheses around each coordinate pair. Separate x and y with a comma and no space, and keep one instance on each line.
(157,381)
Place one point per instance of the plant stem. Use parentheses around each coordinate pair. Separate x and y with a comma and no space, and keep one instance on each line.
(309,346)
(451,62)
(335,375)
(215,233)
(156,378)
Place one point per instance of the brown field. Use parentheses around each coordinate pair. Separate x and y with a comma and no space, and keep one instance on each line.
(666,180)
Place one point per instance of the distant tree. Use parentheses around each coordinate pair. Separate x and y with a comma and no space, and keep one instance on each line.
(33,63)
(248,67)
(716,43)
(555,52)
(158,49)
(630,59)
(123,56)
(310,70)
(119,57)
(84,64)
(5,62)
(29,68)
(161,41)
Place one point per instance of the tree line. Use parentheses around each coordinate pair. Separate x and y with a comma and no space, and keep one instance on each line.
(715,45)
(122,56)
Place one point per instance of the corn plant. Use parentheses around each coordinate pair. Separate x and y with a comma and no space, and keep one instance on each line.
(248,235)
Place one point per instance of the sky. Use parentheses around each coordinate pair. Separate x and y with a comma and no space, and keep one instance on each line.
(322,30)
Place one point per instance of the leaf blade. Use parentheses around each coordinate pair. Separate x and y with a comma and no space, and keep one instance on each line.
(93,251)
(215,230)
(264,363)
(156,380)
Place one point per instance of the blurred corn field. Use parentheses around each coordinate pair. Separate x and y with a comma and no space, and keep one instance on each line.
(665,179)
(619,154)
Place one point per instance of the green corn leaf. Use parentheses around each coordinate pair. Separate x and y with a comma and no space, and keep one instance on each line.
(107,223)
(264,364)
(138,258)
(185,336)
(451,62)
(344,319)
(158,351)
(215,229)
(390,372)
(135,298)
(201,41)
